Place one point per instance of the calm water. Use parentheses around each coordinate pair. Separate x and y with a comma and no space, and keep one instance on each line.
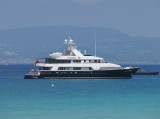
(138,98)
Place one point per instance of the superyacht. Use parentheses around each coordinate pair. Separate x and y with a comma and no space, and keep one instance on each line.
(72,64)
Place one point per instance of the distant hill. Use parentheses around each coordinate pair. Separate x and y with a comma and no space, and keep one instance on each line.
(26,44)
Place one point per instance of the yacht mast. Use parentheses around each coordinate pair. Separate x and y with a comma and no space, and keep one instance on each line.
(95,44)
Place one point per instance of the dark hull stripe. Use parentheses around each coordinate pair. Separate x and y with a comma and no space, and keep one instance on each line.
(109,74)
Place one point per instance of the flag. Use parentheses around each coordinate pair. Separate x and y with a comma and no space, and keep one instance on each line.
(36,62)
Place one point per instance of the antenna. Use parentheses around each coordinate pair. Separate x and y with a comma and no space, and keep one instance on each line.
(69,35)
(95,44)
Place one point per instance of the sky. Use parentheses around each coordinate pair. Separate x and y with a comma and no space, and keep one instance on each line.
(134,17)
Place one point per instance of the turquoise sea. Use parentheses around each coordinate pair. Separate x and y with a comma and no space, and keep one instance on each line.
(136,98)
